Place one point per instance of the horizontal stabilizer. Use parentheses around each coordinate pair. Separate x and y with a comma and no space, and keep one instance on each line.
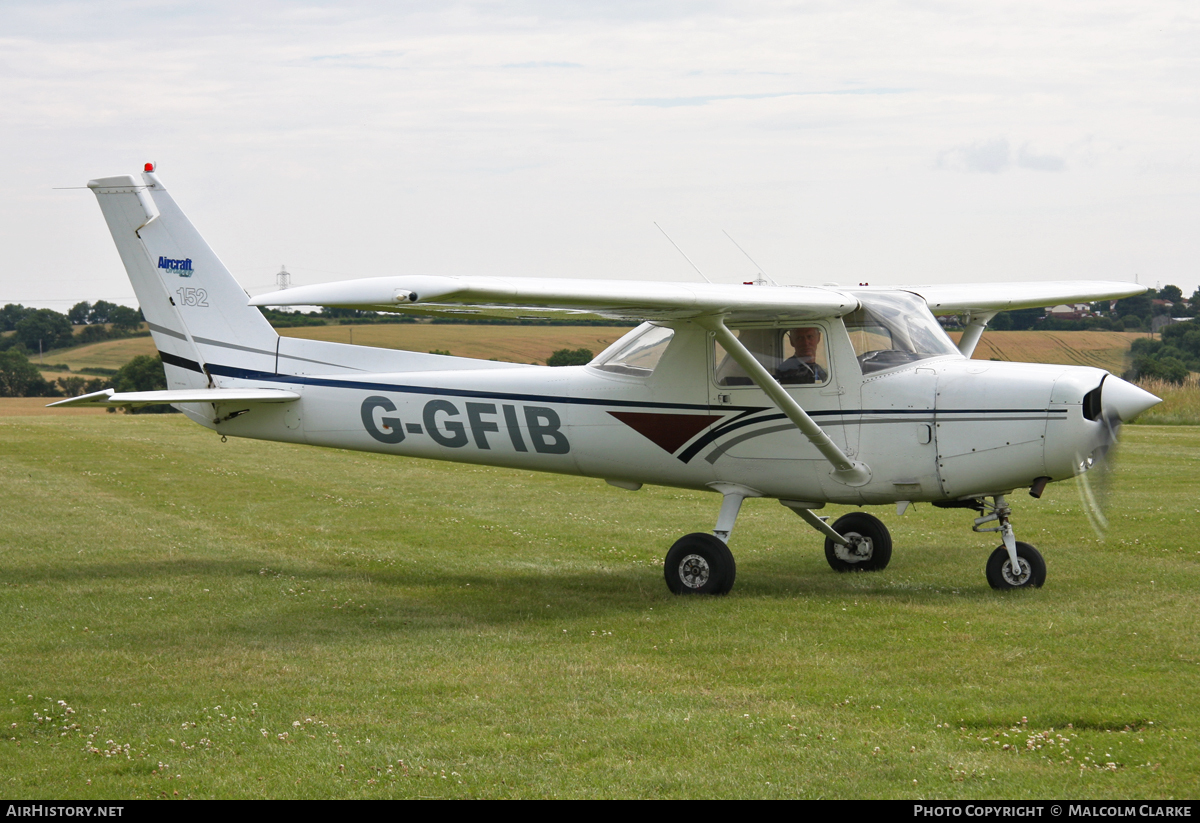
(111,397)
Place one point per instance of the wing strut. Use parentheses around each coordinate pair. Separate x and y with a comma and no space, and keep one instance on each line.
(973,325)
(845,470)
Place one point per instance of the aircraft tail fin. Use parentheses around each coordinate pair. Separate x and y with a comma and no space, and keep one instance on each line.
(199,315)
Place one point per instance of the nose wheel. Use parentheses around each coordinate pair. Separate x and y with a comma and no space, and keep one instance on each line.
(1030,571)
(1013,565)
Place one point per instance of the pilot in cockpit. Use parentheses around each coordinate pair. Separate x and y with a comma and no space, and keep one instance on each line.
(802,366)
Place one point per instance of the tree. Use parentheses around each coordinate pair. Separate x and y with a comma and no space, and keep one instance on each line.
(124,318)
(570,357)
(1139,306)
(45,329)
(79,313)
(92,334)
(1170,369)
(12,314)
(100,311)
(345,314)
(74,386)
(1184,339)
(20,378)
(1172,293)
(1017,320)
(143,373)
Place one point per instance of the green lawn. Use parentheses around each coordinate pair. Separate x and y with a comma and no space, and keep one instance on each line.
(261,620)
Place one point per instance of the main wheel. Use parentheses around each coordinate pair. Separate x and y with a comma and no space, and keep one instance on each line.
(699,564)
(870,547)
(1031,574)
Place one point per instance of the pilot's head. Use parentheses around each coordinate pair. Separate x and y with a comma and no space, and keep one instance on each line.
(805,341)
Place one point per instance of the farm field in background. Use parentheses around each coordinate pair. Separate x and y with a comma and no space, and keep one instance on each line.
(1100,349)
(196,619)
(107,354)
(514,344)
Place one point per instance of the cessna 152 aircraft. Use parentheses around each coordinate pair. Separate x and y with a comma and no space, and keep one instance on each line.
(806,395)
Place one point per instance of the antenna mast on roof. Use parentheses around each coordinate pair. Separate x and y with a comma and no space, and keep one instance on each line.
(685,257)
(763,277)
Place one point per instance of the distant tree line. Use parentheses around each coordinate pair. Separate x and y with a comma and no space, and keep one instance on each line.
(45,329)
(570,357)
(1129,314)
(1172,356)
(21,378)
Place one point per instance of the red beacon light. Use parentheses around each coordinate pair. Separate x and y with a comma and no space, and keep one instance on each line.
(149,167)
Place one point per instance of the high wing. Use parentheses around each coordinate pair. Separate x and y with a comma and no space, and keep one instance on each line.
(977,298)
(532,297)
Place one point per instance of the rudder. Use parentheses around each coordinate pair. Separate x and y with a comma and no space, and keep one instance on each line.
(197,312)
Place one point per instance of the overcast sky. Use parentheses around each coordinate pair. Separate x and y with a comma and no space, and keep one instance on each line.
(881,142)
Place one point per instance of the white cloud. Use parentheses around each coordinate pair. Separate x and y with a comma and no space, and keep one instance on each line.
(994,156)
(1026,159)
(987,156)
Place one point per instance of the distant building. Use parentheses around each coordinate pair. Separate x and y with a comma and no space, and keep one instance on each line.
(1071,311)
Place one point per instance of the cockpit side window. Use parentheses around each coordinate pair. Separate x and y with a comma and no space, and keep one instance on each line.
(793,356)
(894,328)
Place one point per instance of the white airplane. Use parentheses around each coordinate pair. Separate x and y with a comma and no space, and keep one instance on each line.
(806,395)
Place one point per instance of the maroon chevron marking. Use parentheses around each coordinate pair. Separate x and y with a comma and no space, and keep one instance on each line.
(667,431)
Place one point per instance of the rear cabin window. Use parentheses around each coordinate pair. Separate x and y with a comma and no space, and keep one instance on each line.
(639,356)
(795,356)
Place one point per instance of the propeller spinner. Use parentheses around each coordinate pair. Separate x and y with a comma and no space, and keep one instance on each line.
(1113,402)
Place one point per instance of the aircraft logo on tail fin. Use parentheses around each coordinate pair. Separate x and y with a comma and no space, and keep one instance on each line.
(184,267)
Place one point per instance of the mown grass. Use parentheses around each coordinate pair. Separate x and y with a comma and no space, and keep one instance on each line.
(260,620)
(1181,403)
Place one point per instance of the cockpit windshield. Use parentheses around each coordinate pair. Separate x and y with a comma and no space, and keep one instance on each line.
(894,328)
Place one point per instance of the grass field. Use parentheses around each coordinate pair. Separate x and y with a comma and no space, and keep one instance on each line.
(1180,406)
(189,618)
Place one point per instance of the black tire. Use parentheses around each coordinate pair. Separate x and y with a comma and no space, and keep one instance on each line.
(1032,574)
(699,564)
(874,544)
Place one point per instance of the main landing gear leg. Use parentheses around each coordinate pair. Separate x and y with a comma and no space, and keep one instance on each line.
(702,563)
(857,542)
(1014,565)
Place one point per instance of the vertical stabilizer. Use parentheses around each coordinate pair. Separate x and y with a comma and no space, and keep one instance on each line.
(199,316)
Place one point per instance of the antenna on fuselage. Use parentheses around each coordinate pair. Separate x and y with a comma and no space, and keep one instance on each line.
(762,274)
(685,257)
